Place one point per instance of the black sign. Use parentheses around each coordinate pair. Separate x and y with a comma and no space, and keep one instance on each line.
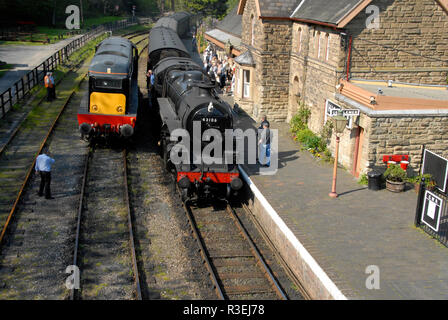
(431,210)
(437,167)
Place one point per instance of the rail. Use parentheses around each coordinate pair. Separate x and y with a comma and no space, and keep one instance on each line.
(81,208)
(222,290)
(31,168)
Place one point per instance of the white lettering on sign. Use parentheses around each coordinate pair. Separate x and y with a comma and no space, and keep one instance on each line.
(350,112)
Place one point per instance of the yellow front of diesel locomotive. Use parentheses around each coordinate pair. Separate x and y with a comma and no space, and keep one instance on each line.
(107,103)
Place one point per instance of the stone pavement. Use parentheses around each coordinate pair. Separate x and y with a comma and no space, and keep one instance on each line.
(25,58)
(359,229)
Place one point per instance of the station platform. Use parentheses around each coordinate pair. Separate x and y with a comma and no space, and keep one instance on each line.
(360,228)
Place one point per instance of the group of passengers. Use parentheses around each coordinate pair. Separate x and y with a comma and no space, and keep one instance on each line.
(221,70)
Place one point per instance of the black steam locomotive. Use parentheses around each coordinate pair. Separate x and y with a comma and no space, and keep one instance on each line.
(188,100)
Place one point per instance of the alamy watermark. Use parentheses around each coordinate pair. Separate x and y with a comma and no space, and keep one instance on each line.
(73,20)
(373,280)
(373,21)
(235,147)
(73,281)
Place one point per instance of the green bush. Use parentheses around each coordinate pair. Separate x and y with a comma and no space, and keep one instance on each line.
(395,173)
(363,180)
(313,142)
(317,144)
(304,134)
(300,119)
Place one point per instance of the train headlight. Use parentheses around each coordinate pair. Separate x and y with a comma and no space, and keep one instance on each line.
(119,109)
(95,108)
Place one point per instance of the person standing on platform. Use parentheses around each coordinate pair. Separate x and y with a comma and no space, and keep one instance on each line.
(265,146)
(263,121)
(43,166)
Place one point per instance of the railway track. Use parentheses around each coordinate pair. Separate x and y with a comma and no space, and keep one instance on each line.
(104,243)
(26,235)
(100,245)
(235,265)
(18,153)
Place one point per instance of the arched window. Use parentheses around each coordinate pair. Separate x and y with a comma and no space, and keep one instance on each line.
(317,44)
(299,40)
(327,47)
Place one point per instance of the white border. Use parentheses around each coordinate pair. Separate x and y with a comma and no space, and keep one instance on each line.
(446,170)
(440,211)
(306,256)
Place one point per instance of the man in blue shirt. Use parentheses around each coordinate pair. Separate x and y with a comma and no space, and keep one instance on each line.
(149,79)
(43,166)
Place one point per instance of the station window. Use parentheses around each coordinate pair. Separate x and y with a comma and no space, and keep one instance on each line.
(317,39)
(327,46)
(246,84)
(238,81)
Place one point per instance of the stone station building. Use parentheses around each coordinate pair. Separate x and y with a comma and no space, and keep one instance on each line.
(386,58)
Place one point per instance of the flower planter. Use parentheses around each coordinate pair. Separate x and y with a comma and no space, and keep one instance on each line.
(395,186)
(417,187)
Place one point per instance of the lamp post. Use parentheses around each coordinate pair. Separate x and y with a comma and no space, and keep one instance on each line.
(340,122)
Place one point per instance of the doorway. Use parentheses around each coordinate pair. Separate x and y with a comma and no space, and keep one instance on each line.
(357,156)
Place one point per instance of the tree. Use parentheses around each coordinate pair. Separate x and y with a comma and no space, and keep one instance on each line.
(214,8)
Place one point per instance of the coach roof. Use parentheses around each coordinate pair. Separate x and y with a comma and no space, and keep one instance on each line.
(164,38)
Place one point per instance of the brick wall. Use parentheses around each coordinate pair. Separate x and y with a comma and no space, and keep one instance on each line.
(411,44)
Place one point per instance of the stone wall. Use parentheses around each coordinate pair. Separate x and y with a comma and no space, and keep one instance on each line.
(275,64)
(317,75)
(407,135)
(411,44)
(271,53)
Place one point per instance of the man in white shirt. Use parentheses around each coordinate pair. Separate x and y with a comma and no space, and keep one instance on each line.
(43,166)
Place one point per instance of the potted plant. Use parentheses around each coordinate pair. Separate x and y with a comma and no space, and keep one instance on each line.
(430,184)
(395,178)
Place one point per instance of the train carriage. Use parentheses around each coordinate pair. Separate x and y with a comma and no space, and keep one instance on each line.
(178,22)
(110,106)
(164,43)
